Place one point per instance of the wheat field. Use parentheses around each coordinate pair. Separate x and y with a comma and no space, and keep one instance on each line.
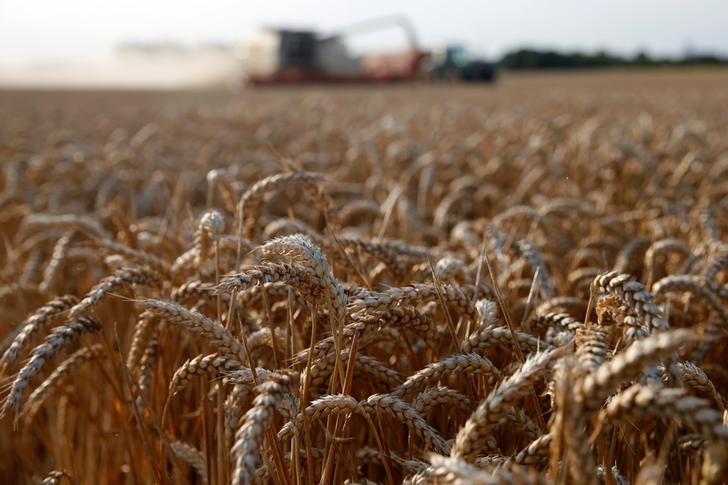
(525,283)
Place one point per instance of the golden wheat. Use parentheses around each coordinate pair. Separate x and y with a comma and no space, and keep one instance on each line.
(409,286)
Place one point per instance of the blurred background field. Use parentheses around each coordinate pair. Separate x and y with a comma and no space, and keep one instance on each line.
(192,44)
(694,92)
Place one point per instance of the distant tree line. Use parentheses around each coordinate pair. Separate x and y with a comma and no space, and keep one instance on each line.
(550,59)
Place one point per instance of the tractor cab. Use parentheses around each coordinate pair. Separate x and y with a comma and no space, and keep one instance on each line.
(455,63)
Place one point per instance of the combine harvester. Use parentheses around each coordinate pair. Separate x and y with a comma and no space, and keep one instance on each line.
(289,57)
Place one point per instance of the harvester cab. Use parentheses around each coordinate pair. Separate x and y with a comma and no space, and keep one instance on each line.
(298,49)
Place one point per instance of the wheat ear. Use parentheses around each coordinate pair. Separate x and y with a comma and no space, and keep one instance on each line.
(246,450)
(59,338)
(198,323)
(123,278)
(472,435)
(31,326)
(192,456)
(56,379)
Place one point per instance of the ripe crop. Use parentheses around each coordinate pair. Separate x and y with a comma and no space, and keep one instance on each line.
(523,284)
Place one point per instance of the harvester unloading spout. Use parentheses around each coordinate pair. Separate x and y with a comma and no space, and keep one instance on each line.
(380,23)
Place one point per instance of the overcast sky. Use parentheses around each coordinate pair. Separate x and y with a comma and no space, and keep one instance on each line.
(82,30)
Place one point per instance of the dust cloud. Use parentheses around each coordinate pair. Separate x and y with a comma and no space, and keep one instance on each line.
(198,68)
